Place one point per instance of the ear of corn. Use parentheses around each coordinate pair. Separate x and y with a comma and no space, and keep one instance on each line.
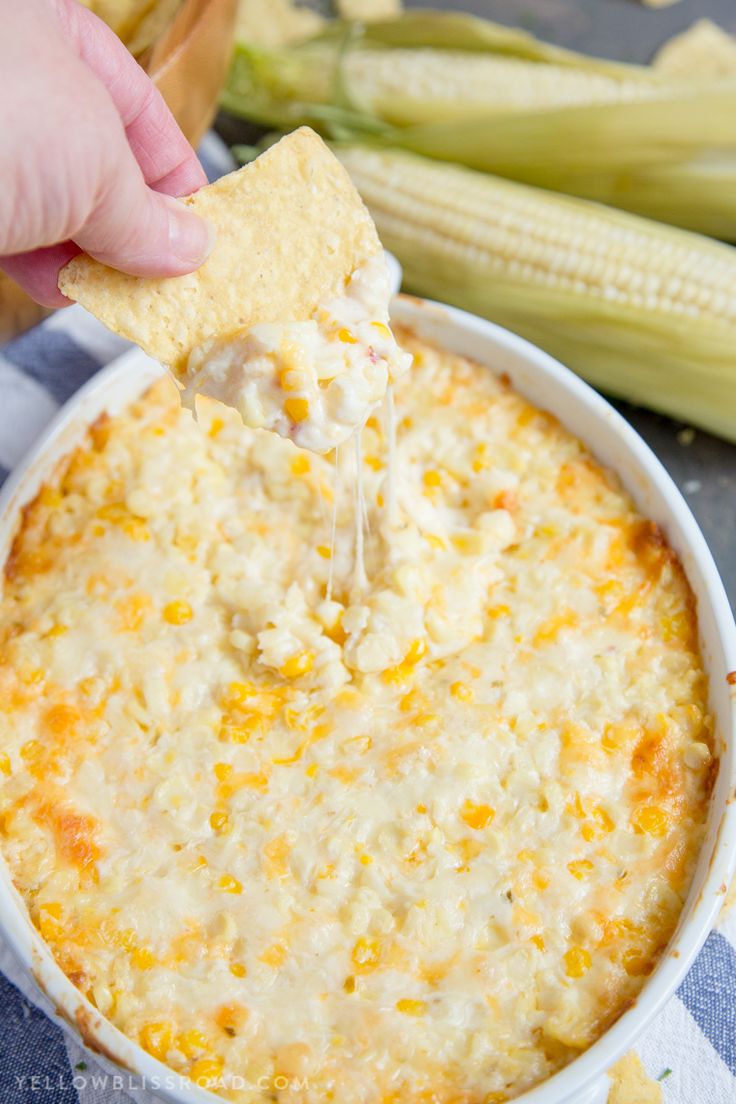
(643,311)
(462,89)
(409,86)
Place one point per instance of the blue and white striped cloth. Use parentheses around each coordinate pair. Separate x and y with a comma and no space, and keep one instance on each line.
(691,1046)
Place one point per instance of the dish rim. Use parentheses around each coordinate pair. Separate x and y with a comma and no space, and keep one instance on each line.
(616,444)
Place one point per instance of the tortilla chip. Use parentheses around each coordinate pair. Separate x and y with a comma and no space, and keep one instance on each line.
(630,1083)
(290,230)
(368,11)
(659,3)
(152,25)
(705,50)
(120,15)
(273,23)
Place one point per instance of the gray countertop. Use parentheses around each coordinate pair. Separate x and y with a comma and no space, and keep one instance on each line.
(703,466)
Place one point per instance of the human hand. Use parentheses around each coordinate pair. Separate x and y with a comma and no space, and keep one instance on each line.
(91,155)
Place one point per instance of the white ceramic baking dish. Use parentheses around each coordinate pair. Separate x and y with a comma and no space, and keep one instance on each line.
(581,410)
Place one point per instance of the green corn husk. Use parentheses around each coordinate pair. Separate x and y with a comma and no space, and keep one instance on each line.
(641,310)
(500,101)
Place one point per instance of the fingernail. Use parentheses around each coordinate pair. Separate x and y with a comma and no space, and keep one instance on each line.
(191,238)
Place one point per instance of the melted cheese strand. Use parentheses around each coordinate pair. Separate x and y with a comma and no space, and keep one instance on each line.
(333,531)
(391,474)
(360,580)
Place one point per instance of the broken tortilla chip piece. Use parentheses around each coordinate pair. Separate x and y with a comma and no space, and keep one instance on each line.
(273,23)
(659,3)
(704,50)
(630,1083)
(290,231)
(369,11)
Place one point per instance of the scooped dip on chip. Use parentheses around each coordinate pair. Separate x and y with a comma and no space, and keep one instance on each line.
(314,381)
(287,320)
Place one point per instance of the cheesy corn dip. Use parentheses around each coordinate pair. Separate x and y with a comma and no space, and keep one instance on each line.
(421,846)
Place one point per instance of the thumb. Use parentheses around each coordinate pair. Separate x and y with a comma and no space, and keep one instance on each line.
(140,231)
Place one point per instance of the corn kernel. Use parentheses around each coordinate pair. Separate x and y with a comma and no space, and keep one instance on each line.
(178,613)
(415,699)
(231,1017)
(297,665)
(549,630)
(384,331)
(300,465)
(365,860)
(577,962)
(31,675)
(50,498)
(462,691)
(49,916)
(411,1007)
(157,1039)
(135,528)
(650,820)
(238,693)
(142,958)
(192,1042)
(216,427)
(275,955)
(538,942)
(230,884)
(493,613)
(347,337)
(394,676)
(206,1072)
(220,822)
(223,771)
(297,409)
(417,650)
(366,954)
(254,780)
(238,970)
(432,478)
(324,551)
(579,868)
(132,612)
(603,819)
(5,767)
(477,817)
(62,719)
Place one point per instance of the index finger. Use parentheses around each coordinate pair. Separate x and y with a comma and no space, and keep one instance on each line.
(167,161)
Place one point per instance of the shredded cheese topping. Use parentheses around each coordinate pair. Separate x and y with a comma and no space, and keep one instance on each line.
(426,841)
